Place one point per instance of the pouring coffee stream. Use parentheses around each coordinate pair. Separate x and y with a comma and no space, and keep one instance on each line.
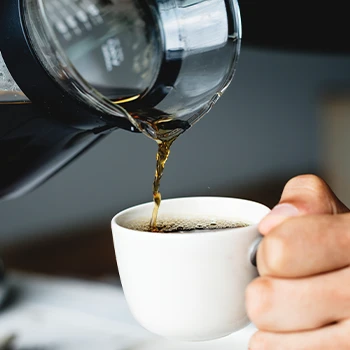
(164,130)
(162,157)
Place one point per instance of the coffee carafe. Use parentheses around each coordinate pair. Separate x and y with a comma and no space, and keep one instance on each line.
(72,71)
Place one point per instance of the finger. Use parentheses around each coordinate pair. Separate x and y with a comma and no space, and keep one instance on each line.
(305,246)
(335,336)
(286,305)
(304,194)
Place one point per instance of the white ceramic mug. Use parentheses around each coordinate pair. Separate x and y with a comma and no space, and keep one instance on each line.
(189,286)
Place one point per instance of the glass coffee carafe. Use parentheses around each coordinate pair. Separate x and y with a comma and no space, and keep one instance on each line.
(72,71)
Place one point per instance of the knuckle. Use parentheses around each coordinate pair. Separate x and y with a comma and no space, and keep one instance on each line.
(341,340)
(319,190)
(345,339)
(343,232)
(340,295)
(274,255)
(309,181)
(259,296)
(259,341)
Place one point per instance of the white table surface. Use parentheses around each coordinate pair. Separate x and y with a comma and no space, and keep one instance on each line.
(61,313)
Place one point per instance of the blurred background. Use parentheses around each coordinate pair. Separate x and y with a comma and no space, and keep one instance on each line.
(268,127)
(285,113)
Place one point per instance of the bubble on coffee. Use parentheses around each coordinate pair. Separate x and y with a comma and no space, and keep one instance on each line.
(185,225)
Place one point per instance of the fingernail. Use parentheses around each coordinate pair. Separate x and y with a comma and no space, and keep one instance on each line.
(277,215)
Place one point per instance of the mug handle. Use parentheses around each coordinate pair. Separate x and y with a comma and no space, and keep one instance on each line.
(254,250)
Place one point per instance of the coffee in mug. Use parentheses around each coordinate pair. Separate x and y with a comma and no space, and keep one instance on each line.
(185,225)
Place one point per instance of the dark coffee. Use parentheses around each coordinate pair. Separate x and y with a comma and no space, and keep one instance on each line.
(164,130)
(162,157)
(193,225)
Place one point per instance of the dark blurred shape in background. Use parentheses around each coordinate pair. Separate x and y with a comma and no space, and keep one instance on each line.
(309,26)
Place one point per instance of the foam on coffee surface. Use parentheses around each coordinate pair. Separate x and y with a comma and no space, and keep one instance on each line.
(171,225)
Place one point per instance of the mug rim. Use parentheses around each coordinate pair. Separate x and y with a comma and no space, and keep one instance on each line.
(114,221)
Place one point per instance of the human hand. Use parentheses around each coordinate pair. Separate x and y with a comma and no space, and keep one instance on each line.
(301,300)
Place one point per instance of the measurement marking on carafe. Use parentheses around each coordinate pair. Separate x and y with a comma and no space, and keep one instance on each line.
(80,14)
(72,17)
(66,18)
(113,53)
(63,29)
(59,24)
(73,24)
(93,10)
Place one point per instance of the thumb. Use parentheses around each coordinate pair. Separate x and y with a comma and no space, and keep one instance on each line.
(304,194)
